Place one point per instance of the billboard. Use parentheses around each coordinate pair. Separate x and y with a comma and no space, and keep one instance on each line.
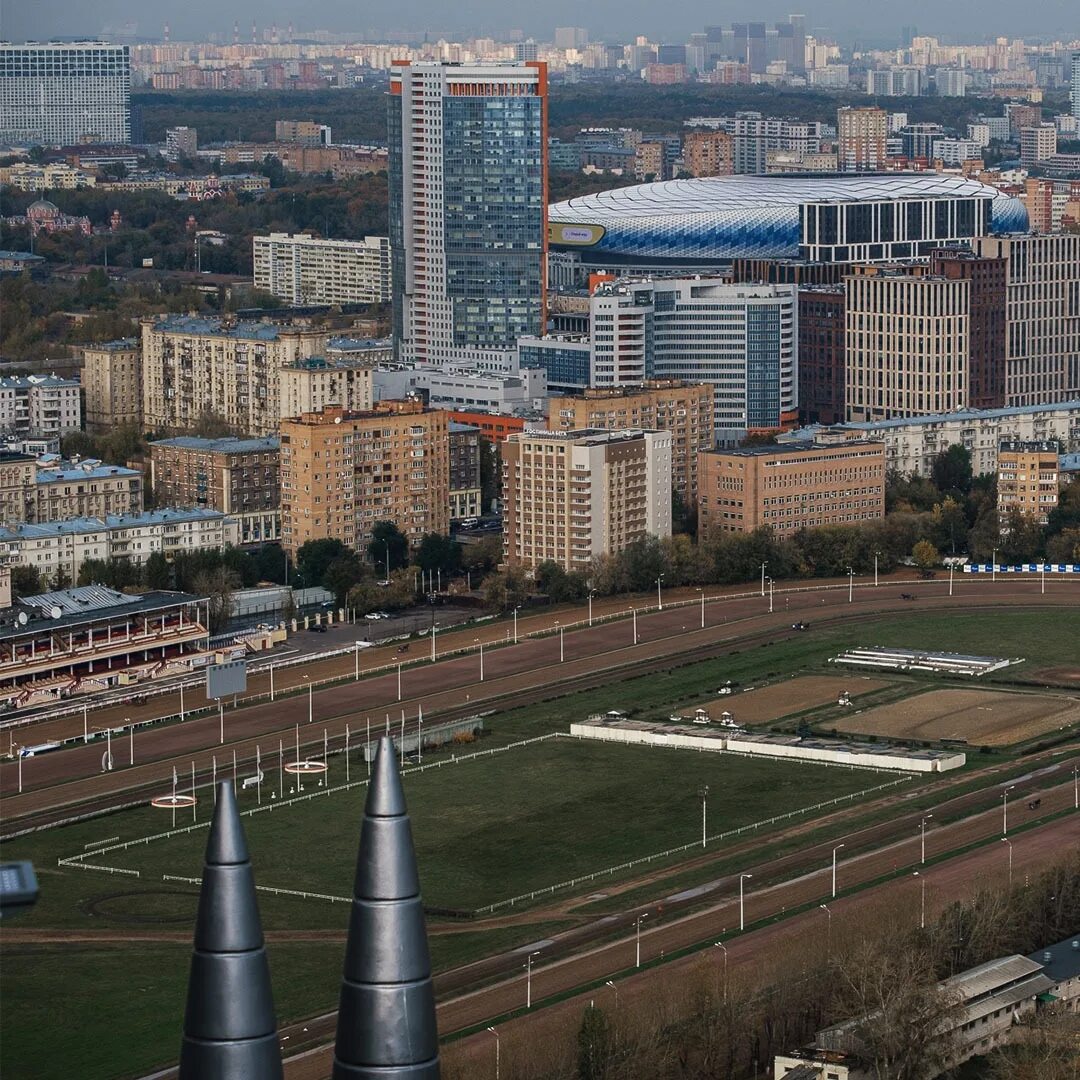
(225,680)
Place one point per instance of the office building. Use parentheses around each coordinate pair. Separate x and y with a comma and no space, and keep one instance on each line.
(40,406)
(1042,312)
(1074,84)
(197,367)
(572,496)
(1037,143)
(181,142)
(708,153)
(798,485)
(571,37)
(907,345)
(741,339)
(455,387)
(987,340)
(468,207)
(494,427)
(861,136)
(464,450)
(63,93)
(314,382)
(234,476)
(912,443)
(302,269)
(341,472)
(822,353)
(1027,480)
(918,140)
(683,409)
(112,385)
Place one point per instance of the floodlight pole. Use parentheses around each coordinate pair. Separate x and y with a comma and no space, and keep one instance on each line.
(742,910)
(1006,840)
(834,851)
(637,956)
(763,565)
(221,720)
(702,591)
(922,830)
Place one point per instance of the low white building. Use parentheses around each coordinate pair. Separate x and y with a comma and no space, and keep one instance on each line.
(303,269)
(63,546)
(465,388)
(39,405)
(912,443)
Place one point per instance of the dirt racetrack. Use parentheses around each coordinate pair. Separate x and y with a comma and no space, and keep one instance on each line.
(759,706)
(985,717)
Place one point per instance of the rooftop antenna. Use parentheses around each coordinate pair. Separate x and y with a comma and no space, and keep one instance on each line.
(229,1028)
(386,1016)
(166,33)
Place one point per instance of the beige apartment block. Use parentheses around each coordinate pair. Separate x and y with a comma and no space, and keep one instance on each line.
(112,385)
(304,269)
(683,408)
(572,496)
(197,367)
(790,487)
(907,345)
(342,471)
(316,382)
(708,153)
(18,475)
(235,476)
(1027,479)
(1042,314)
(37,492)
(861,139)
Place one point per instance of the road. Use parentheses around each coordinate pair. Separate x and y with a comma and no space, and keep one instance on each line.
(453,686)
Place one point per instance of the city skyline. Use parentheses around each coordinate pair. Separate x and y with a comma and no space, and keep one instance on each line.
(843,20)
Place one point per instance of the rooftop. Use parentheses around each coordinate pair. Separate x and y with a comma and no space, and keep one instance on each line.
(227,445)
(1060,962)
(79,526)
(25,382)
(26,256)
(336,363)
(120,345)
(87,469)
(199,326)
(88,603)
(793,447)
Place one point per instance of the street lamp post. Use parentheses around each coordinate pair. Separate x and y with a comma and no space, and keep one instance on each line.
(1006,840)
(922,900)
(634,610)
(310,700)
(637,953)
(1076,791)
(952,567)
(614,987)
(763,565)
(850,585)
(993,567)
(702,593)
(517,609)
(591,595)
(1005,810)
(481,644)
(356,665)
(922,831)
(131,740)
(562,652)
(876,554)
(771,585)
(496,1034)
(221,719)
(434,628)
(528,979)
(828,932)
(703,793)
(834,851)
(659,597)
(721,945)
(742,910)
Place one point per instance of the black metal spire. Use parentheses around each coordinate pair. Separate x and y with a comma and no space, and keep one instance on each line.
(386,1020)
(229,1025)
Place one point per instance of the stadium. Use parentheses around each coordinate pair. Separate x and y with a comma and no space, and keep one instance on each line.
(714,220)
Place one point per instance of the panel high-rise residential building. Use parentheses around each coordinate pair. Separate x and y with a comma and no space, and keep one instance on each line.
(63,93)
(861,139)
(1074,85)
(468,208)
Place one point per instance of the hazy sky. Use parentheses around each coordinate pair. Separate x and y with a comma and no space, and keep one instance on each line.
(872,21)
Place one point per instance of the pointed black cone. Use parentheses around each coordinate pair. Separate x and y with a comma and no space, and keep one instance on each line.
(229,1025)
(386,1020)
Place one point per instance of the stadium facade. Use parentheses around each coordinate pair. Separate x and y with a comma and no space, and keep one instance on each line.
(707,222)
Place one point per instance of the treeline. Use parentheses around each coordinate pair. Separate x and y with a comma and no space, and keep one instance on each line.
(871,961)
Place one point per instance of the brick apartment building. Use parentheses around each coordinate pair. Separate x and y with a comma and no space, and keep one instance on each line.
(235,476)
(1028,479)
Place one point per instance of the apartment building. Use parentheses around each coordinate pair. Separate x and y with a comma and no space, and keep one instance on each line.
(862,134)
(39,406)
(682,408)
(315,382)
(112,385)
(907,343)
(790,487)
(1037,143)
(38,490)
(822,353)
(708,153)
(573,496)
(465,491)
(342,471)
(912,443)
(1042,313)
(231,475)
(1027,480)
(194,367)
(18,475)
(61,547)
(303,269)
(303,132)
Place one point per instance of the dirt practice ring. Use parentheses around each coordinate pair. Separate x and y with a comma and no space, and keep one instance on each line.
(981,717)
(764,704)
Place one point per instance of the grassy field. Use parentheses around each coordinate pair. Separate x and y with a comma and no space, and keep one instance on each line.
(518,820)
(499,826)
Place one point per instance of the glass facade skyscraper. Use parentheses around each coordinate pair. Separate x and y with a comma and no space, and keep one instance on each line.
(62,93)
(468,207)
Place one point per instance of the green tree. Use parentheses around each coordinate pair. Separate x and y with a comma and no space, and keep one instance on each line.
(25,581)
(490,474)
(315,556)
(388,541)
(594,1044)
(342,574)
(218,587)
(951,471)
(158,572)
(506,590)
(438,552)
